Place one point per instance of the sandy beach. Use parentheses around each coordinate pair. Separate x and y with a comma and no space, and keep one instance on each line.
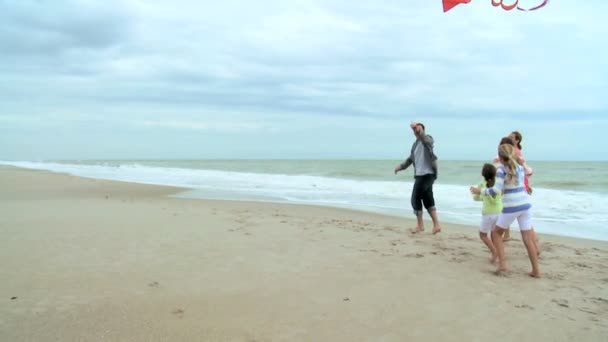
(92,260)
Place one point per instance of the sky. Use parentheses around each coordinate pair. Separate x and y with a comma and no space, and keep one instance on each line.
(308,79)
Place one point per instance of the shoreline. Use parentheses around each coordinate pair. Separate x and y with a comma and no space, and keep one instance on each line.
(205,195)
(90,260)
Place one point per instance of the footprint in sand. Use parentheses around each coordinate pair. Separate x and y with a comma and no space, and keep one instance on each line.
(460,257)
(502,274)
(600,300)
(369,250)
(391,228)
(561,302)
(414,255)
(524,306)
(546,247)
(443,247)
(554,276)
(178,312)
(587,310)
(457,260)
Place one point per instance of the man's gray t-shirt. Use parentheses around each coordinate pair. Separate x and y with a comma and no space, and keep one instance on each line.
(421,164)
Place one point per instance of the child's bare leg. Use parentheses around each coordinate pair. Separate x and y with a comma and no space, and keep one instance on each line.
(528,238)
(419,224)
(500,248)
(484,237)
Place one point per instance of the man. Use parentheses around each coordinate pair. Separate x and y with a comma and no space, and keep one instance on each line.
(425,173)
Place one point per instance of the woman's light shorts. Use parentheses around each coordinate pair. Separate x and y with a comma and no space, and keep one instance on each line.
(524,219)
(488,222)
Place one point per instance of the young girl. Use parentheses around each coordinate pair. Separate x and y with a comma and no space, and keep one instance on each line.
(516,137)
(492,207)
(516,206)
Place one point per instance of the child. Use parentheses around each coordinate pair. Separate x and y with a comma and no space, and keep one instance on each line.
(516,137)
(516,206)
(492,207)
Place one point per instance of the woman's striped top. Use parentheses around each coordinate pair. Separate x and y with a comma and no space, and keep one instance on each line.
(515,198)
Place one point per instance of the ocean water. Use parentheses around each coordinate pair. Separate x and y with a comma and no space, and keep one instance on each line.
(569,199)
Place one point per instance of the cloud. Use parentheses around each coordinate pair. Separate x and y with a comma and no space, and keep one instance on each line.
(221,126)
(37,34)
(183,64)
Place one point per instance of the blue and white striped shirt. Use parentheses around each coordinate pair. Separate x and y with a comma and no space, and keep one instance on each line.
(515,198)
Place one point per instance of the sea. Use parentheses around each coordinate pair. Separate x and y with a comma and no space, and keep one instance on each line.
(569,198)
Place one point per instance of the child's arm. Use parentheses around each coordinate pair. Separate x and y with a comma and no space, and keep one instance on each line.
(478,197)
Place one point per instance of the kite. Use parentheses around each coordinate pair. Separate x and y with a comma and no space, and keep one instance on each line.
(506,5)
(449,4)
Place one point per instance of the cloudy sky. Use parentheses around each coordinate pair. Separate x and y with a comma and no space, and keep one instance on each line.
(124,79)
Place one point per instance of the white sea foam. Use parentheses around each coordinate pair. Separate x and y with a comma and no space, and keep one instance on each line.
(560,212)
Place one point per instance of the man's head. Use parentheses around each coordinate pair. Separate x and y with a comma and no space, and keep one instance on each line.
(418,128)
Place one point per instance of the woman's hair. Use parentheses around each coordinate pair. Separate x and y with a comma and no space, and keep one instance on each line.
(489,174)
(506,140)
(506,153)
(518,138)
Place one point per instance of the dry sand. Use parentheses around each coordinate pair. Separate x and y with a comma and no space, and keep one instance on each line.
(93,260)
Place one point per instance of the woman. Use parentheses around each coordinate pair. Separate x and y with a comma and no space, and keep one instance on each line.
(510,140)
(516,206)
(516,139)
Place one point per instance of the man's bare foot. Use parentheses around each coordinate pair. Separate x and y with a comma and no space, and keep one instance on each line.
(416,230)
(436,229)
(534,274)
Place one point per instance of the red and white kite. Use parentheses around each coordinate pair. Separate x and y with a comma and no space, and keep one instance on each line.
(507,5)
